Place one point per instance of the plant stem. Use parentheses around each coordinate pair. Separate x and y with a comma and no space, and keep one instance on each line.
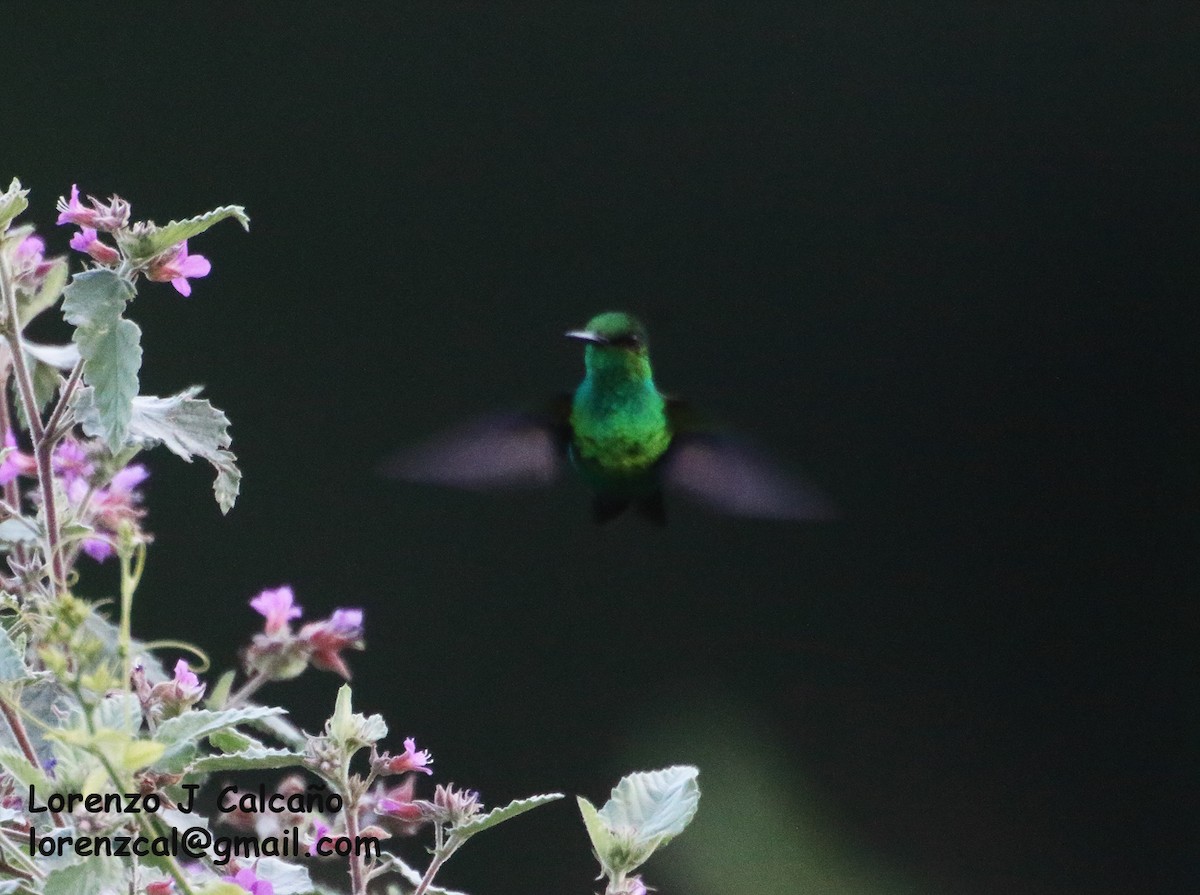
(64,401)
(42,446)
(12,494)
(358,879)
(22,737)
(430,872)
(248,689)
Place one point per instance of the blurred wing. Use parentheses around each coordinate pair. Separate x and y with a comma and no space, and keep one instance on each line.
(498,451)
(733,477)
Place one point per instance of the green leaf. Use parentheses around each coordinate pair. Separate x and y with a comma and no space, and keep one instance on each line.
(47,294)
(646,811)
(182,733)
(44,362)
(12,202)
(91,876)
(109,345)
(255,758)
(500,815)
(656,805)
(232,740)
(12,660)
(219,695)
(62,357)
(146,240)
(603,841)
(186,425)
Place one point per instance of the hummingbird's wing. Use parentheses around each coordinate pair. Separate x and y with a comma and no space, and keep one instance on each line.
(734,477)
(502,450)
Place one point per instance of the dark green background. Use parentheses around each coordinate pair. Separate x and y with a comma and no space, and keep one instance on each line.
(940,255)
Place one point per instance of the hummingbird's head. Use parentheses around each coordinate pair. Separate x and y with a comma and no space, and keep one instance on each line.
(613,330)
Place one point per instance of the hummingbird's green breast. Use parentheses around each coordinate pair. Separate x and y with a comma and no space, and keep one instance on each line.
(619,426)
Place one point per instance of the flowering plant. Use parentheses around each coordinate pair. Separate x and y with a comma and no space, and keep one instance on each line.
(102,752)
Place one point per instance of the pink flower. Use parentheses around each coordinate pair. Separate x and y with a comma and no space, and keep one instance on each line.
(112,216)
(75,212)
(109,507)
(328,638)
(177,266)
(87,241)
(186,684)
(161,887)
(320,831)
(15,462)
(277,607)
(248,880)
(411,760)
(29,262)
(399,804)
(70,461)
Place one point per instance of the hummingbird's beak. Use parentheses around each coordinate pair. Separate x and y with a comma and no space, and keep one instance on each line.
(584,335)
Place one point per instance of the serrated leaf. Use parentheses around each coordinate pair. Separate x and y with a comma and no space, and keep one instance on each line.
(149,240)
(255,758)
(109,345)
(500,815)
(654,806)
(12,660)
(182,733)
(188,426)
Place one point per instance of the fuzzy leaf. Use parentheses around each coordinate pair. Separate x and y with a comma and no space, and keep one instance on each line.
(48,292)
(646,811)
(186,425)
(232,740)
(62,357)
(255,758)
(149,240)
(500,815)
(12,202)
(12,661)
(91,876)
(181,733)
(603,841)
(219,694)
(109,345)
(655,805)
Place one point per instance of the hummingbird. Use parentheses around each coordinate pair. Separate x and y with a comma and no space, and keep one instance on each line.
(627,441)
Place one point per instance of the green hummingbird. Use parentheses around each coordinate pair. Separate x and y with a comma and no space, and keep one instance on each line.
(626,439)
